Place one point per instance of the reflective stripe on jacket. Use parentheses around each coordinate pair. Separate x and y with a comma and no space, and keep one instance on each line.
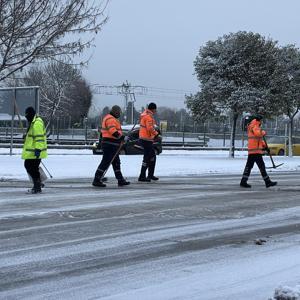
(110,125)
(35,139)
(256,143)
(147,126)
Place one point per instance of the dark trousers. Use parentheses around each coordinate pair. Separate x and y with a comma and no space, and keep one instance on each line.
(149,159)
(32,168)
(258,159)
(109,150)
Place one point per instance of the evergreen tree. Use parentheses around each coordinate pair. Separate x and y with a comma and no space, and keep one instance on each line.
(287,86)
(236,74)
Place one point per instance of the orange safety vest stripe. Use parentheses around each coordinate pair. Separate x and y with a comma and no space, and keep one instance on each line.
(256,143)
(147,126)
(110,125)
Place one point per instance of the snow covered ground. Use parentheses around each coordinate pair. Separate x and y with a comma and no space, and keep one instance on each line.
(81,163)
(189,236)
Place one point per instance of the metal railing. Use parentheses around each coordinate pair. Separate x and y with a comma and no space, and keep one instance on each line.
(86,137)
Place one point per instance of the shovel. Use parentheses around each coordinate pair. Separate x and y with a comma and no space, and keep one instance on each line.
(271,157)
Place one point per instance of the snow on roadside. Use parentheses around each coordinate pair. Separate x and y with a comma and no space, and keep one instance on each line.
(287,293)
(81,163)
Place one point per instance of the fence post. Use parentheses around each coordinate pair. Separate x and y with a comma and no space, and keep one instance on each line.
(85,124)
(224,135)
(53,132)
(204,135)
(57,129)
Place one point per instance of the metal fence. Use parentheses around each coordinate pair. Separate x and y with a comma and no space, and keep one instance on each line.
(87,136)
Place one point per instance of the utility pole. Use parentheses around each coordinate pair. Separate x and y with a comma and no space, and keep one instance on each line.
(127,90)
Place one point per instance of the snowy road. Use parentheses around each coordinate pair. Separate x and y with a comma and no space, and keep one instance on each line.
(179,238)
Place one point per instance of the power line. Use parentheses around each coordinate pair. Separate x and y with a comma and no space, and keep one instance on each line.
(152,92)
(129,92)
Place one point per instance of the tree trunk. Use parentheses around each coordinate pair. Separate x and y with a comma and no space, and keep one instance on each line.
(291,123)
(232,137)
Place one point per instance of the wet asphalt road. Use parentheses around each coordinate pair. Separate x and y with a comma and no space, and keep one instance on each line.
(74,237)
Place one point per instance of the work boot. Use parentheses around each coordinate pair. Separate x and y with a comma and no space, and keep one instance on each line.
(244,184)
(270,183)
(36,186)
(151,170)
(98,183)
(98,179)
(34,191)
(144,179)
(123,182)
(142,176)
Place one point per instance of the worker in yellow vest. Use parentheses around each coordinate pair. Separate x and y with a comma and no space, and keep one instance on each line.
(34,148)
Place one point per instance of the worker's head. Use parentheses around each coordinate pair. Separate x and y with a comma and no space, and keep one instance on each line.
(152,106)
(116,111)
(29,113)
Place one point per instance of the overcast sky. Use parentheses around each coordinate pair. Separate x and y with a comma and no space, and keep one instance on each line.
(153,43)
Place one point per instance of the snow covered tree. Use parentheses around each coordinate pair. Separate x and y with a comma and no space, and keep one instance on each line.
(288,86)
(81,99)
(33,30)
(235,73)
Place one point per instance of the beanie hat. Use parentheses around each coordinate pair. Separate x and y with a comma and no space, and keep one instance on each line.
(151,105)
(30,111)
(116,111)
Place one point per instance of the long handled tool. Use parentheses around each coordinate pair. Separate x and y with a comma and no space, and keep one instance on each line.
(46,169)
(115,155)
(271,157)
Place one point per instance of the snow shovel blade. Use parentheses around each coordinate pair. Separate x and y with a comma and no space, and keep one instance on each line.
(274,167)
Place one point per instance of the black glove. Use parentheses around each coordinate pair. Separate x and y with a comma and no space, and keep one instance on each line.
(119,136)
(267,149)
(157,137)
(116,134)
(37,153)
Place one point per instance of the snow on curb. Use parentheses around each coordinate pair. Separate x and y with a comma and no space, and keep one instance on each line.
(287,293)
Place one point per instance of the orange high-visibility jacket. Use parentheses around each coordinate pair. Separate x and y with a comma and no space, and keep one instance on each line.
(256,143)
(110,125)
(147,130)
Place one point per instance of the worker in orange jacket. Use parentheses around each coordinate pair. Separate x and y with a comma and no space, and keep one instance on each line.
(147,135)
(256,149)
(112,137)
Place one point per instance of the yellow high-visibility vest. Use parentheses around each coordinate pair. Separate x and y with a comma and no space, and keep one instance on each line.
(35,139)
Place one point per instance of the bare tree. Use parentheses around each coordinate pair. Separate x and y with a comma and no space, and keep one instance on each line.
(58,83)
(32,30)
